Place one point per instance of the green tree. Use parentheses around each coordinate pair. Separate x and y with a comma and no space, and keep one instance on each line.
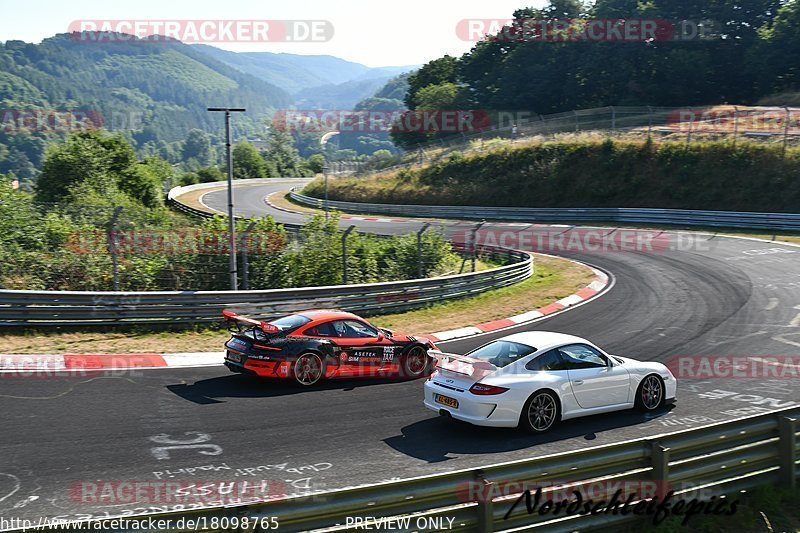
(95,159)
(282,158)
(247,162)
(197,146)
(438,71)
(316,163)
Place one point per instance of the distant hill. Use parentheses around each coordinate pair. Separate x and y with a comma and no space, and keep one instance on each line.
(298,73)
(340,96)
(155,92)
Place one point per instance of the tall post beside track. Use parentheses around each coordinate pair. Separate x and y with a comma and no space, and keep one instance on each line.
(111,238)
(231,219)
(420,269)
(245,256)
(344,253)
(474,242)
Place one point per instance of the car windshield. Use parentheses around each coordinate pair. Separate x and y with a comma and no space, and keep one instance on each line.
(501,353)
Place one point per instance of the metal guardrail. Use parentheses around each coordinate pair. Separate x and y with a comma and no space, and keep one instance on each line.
(723,458)
(29,308)
(681,217)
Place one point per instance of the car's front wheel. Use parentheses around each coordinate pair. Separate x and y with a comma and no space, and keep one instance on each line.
(650,395)
(540,412)
(308,369)
(415,363)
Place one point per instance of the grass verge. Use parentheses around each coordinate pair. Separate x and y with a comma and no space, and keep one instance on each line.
(554,279)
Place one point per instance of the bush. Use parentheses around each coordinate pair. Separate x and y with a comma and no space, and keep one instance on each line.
(608,173)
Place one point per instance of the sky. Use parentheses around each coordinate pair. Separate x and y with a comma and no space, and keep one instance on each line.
(375,33)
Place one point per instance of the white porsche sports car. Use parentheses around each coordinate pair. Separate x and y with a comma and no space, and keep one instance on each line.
(536,378)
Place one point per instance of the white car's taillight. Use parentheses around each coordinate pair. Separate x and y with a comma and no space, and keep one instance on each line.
(486,390)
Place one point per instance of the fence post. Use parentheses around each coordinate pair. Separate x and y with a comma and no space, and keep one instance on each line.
(785,132)
(659,460)
(577,128)
(245,257)
(735,124)
(613,120)
(475,241)
(485,503)
(344,253)
(787,451)
(420,271)
(111,242)
(649,121)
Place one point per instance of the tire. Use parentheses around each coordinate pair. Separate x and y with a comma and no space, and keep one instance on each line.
(540,413)
(308,369)
(650,394)
(415,363)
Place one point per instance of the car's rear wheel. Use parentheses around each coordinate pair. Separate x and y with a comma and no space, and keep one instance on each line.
(540,412)
(308,369)
(650,395)
(415,362)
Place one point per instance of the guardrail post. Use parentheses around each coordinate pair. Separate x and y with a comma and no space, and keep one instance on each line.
(787,451)
(245,257)
(485,503)
(420,270)
(659,460)
(111,238)
(344,253)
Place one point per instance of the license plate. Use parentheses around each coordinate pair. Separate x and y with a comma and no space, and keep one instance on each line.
(446,400)
(235,357)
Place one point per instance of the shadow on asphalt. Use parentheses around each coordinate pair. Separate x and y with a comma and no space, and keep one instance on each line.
(215,390)
(433,439)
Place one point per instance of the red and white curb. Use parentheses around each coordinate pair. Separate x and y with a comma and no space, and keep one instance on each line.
(58,363)
(587,293)
(41,364)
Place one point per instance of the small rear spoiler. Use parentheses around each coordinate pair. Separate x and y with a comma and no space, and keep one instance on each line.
(266,327)
(462,364)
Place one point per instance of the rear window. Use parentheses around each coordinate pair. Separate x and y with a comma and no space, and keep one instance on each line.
(501,353)
(290,322)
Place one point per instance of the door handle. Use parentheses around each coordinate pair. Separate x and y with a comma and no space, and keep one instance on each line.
(578,382)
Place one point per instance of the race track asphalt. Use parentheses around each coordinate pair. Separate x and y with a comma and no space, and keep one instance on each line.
(719,296)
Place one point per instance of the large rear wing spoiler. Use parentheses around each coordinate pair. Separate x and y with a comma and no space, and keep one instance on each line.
(462,364)
(236,320)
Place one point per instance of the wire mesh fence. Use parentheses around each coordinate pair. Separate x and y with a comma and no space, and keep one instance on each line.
(125,248)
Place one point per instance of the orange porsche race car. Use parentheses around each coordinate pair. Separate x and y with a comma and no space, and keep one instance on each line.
(321,344)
